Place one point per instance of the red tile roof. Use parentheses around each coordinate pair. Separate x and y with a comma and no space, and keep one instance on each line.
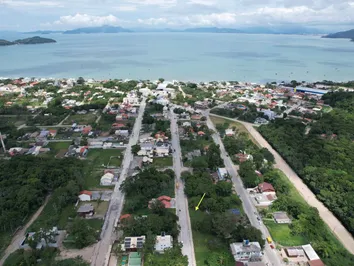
(316,263)
(266,187)
(86,192)
(164,198)
(125,216)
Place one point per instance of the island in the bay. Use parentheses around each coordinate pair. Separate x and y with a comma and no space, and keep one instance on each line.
(32,40)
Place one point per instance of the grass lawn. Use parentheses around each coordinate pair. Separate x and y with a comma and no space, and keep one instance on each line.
(45,219)
(281,234)
(162,162)
(101,156)
(55,147)
(327,109)
(86,119)
(201,240)
(239,127)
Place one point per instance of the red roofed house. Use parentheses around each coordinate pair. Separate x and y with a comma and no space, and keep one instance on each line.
(266,188)
(125,216)
(86,130)
(85,195)
(52,132)
(165,200)
(201,133)
(117,125)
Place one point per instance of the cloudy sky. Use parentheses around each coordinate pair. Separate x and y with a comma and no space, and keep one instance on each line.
(67,14)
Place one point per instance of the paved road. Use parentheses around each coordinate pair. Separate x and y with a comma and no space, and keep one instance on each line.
(270,255)
(334,224)
(100,256)
(182,210)
(18,237)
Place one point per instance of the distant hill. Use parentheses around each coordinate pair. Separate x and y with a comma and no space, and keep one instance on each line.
(102,29)
(213,30)
(349,34)
(32,40)
(43,32)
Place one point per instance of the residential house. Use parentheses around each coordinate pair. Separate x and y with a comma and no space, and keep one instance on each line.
(85,195)
(165,200)
(246,251)
(229,132)
(314,259)
(266,188)
(264,194)
(163,242)
(147,146)
(162,151)
(107,179)
(133,243)
(222,173)
(117,125)
(86,210)
(201,105)
(196,117)
(52,133)
(201,133)
(281,218)
(122,133)
(50,238)
(86,130)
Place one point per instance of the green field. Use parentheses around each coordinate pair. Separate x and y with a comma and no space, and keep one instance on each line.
(100,157)
(87,119)
(281,234)
(55,147)
(162,162)
(239,127)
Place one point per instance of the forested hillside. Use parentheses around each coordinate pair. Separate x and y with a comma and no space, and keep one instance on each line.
(25,181)
(324,158)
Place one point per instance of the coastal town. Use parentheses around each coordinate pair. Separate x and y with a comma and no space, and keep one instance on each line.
(140,172)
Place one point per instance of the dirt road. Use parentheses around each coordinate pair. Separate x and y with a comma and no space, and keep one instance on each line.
(328,217)
(18,237)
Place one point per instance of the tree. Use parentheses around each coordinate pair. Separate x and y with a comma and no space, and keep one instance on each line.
(80,81)
(161,80)
(82,233)
(223,188)
(136,148)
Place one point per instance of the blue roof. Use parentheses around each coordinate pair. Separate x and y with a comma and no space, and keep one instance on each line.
(310,90)
(235,211)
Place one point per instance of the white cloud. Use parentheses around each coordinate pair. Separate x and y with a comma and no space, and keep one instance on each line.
(20,3)
(161,3)
(202,2)
(125,8)
(87,20)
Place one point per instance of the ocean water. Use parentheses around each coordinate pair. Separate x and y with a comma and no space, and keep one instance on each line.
(182,56)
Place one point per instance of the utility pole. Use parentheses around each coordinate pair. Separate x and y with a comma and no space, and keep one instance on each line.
(2,143)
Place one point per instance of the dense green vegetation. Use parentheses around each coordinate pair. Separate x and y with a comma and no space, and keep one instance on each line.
(46,256)
(26,181)
(248,115)
(149,183)
(140,189)
(323,158)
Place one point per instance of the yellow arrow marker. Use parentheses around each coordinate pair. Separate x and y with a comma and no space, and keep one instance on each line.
(197,207)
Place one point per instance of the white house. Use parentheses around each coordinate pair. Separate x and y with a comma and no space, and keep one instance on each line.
(246,251)
(85,195)
(162,151)
(106,179)
(163,242)
(222,173)
(229,132)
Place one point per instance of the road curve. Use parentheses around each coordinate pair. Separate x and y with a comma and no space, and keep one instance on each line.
(327,216)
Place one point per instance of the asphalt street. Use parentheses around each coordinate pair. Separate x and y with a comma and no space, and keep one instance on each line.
(185,236)
(100,257)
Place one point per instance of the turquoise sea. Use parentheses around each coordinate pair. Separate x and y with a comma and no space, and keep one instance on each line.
(182,56)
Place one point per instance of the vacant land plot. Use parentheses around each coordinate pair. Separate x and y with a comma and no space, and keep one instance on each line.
(239,127)
(204,242)
(55,147)
(86,119)
(162,162)
(101,157)
(281,234)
